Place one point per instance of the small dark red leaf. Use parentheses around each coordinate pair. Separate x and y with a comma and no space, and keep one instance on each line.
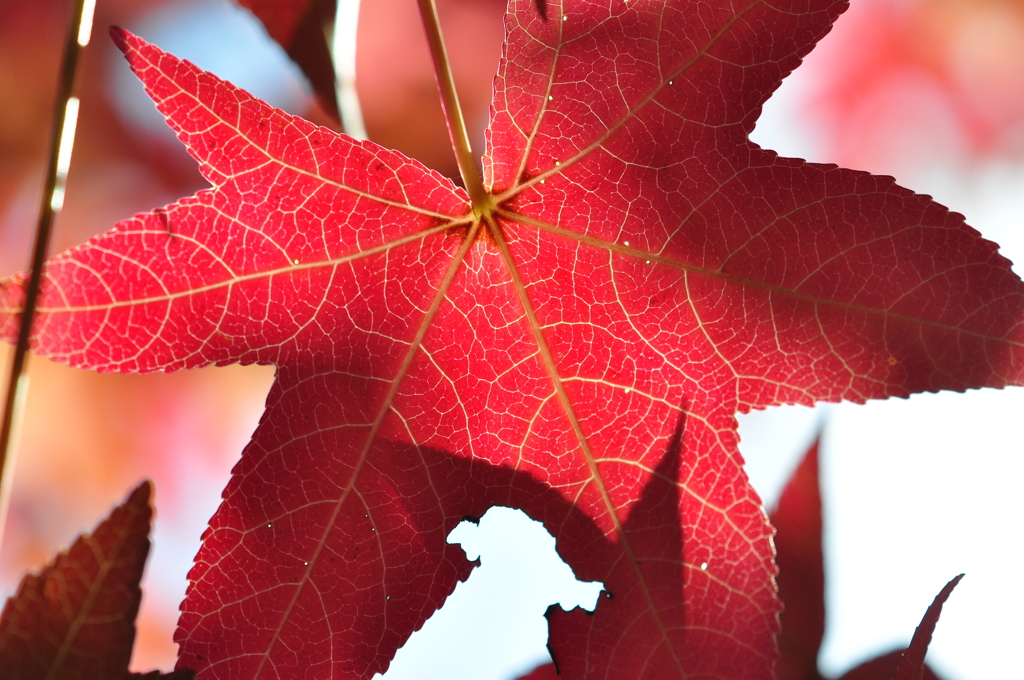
(543,672)
(76,618)
(182,674)
(298,26)
(883,668)
(912,666)
(801,582)
(801,577)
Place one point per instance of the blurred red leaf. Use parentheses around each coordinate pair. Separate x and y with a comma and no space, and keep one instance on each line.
(912,666)
(966,57)
(543,672)
(801,581)
(801,578)
(182,674)
(299,27)
(646,273)
(883,668)
(76,618)
(907,664)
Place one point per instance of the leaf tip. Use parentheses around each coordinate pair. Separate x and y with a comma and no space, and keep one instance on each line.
(912,665)
(121,38)
(96,583)
(944,594)
(144,492)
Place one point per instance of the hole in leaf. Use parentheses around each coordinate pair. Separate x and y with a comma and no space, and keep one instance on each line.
(493,626)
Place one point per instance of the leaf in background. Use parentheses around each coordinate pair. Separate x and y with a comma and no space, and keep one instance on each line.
(965,57)
(801,581)
(884,668)
(649,272)
(908,664)
(801,578)
(912,666)
(76,618)
(543,672)
(183,674)
(299,27)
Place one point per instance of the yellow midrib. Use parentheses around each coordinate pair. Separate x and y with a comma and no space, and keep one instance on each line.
(551,368)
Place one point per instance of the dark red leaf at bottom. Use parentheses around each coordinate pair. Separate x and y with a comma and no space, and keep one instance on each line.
(912,666)
(801,582)
(884,668)
(543,672)
(75,619)
(183,674)
(801,578)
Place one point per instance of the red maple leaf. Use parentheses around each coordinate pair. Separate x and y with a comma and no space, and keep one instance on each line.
(575,345)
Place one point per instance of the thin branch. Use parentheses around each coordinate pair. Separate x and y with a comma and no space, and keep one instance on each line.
(65,120)
(343,54)
(483,203)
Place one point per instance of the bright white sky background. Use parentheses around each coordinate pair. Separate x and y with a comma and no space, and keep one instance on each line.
(916,491)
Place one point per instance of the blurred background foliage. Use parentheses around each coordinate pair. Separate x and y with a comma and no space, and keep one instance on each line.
(919,89)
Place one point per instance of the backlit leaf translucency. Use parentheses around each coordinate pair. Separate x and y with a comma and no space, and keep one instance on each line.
(650,273)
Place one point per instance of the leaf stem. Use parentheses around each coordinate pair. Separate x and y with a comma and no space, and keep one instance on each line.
(343,54)
(483,203)
(62,139)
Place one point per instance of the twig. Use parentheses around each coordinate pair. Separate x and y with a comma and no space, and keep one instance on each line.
(62,139)
(343,54)
(483,203)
